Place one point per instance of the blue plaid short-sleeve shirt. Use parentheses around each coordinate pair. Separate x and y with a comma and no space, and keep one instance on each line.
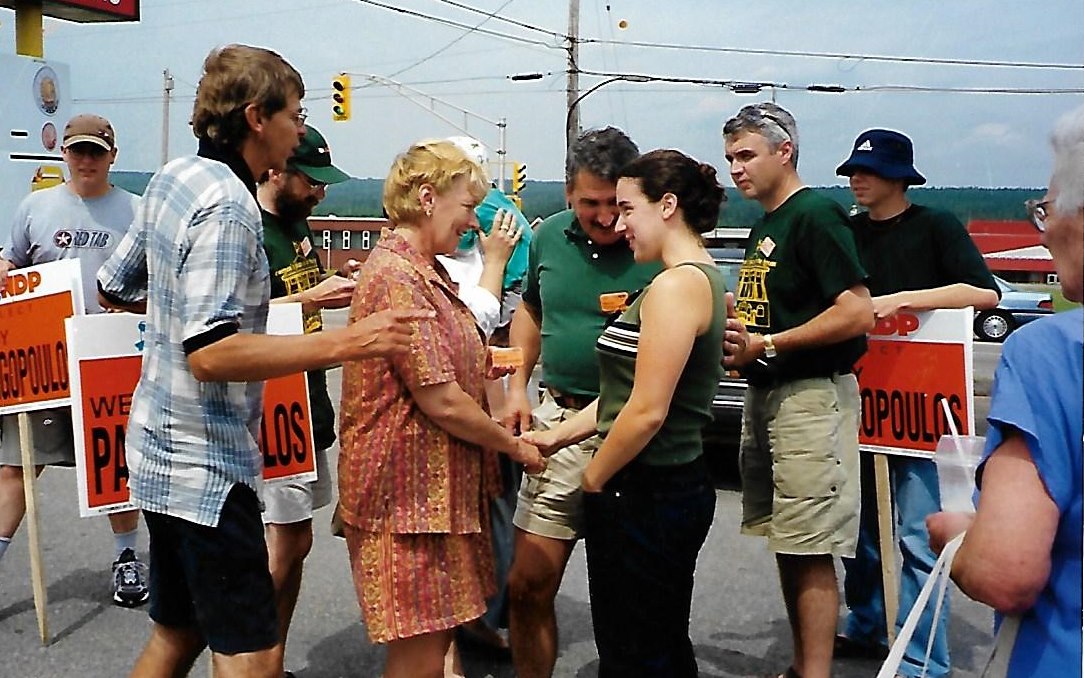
(195,253)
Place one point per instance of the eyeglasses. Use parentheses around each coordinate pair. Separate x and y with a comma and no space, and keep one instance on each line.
(1038,212)
(309,181)
(300,117)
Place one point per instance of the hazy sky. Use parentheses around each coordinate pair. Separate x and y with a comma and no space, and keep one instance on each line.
(962,139)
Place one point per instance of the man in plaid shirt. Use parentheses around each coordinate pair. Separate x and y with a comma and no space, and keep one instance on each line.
(194,259)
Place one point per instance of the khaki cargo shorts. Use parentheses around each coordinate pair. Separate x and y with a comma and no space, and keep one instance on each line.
(799,465)
(550,503)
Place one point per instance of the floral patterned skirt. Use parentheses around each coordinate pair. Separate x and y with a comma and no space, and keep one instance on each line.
(412,584)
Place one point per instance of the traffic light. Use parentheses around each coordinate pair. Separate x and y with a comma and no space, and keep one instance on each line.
(519,177)
(340,97)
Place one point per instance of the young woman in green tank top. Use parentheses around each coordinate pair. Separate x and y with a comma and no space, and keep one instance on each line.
(649,500)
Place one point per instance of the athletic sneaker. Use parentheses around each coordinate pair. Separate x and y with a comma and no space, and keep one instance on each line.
(129,580)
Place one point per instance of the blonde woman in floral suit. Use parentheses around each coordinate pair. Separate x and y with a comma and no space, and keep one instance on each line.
(418,460)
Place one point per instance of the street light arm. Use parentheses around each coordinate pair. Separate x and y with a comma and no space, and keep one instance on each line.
(598,86)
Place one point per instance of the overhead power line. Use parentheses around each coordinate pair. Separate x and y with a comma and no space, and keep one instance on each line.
(771,52)
(752,87)
(457,24)
(495,15)
(835,55)
(441,50)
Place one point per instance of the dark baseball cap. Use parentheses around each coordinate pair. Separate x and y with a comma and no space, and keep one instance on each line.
(313,158)
(91,129)
(886,153)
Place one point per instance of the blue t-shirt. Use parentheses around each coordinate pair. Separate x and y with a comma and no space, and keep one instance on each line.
(1038,391)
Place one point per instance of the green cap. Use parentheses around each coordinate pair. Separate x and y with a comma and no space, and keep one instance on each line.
(313,158)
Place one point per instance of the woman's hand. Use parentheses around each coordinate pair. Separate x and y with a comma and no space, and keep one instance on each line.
(945,525)
(334,292)
(502,239)
(528,455)
(546,441)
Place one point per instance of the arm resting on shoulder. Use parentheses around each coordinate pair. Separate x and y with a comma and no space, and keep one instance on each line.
(243,356)
(1004,560)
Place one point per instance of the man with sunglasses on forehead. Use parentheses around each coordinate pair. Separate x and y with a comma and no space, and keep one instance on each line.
(84,218)
(918,259)
(798,325)
(287,198)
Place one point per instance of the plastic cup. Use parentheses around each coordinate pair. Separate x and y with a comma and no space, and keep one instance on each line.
(956,458)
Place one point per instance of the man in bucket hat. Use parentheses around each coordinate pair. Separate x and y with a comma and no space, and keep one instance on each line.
(918,259)
(287,198)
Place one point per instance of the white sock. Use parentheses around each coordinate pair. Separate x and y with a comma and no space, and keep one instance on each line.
(125,540)
(4,541)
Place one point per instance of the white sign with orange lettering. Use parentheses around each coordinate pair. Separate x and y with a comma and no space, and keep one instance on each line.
(105,363)
(34,301)
(914,362)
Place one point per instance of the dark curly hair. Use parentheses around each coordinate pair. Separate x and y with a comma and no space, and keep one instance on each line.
(695,184)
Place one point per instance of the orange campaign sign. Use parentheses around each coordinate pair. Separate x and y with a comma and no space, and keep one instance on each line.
(105,364)
(34,301)
(917,363)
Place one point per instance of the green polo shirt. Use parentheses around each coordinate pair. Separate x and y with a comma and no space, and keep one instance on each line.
(800,257)
(292,258)
(566,274)
(918,249)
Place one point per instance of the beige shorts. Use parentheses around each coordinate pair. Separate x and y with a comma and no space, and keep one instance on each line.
(290,502)
(799,465)
(550,504)
(51,432)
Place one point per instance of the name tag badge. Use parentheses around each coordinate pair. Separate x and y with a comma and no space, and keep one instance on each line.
(766,246)
(612,302)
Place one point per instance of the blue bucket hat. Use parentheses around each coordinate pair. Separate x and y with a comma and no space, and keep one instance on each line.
(885,153)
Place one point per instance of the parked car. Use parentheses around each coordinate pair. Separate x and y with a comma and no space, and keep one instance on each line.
(721,436)
(1016,308)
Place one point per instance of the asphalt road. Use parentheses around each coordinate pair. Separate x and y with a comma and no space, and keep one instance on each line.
(739,625)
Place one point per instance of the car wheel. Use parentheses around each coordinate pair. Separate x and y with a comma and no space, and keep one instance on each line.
(994,325)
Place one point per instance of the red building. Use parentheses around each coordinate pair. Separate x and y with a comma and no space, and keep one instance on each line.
(342,238)
(1013,251)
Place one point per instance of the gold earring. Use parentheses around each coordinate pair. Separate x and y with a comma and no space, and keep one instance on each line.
(428,211)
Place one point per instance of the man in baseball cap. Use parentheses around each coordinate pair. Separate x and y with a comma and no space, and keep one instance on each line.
(918,259)
(91,129)
(47,227)
(312,157)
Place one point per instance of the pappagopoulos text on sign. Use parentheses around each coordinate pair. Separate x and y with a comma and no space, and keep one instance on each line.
(34,302)
(917,363)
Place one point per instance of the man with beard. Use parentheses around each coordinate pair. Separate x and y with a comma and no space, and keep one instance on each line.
(286,199)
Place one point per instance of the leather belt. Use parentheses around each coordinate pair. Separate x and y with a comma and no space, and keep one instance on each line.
(570,402)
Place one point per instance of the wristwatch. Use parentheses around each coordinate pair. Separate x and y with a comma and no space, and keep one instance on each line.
(769,347)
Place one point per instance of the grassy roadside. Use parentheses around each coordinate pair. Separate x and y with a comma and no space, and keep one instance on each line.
(1059,300)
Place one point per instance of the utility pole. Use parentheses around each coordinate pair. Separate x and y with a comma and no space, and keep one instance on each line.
(167,92)
(572,129)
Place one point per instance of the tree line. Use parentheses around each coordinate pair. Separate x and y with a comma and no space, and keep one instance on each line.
(362,198)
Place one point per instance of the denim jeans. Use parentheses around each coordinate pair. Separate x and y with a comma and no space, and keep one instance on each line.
(915,495)
(643,534)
